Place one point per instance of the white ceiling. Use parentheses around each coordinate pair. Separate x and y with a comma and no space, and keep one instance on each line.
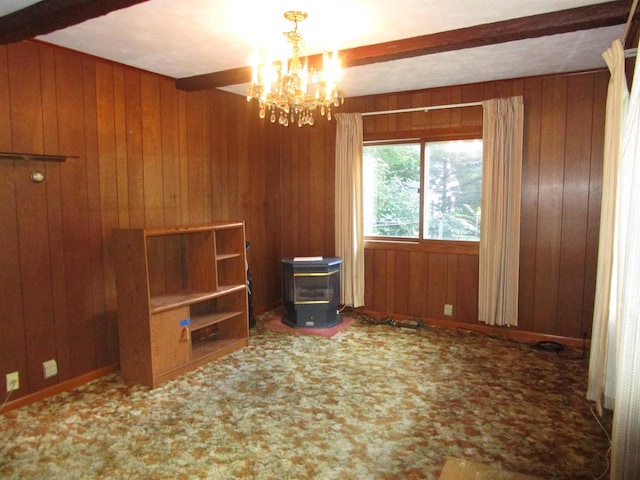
(191,37)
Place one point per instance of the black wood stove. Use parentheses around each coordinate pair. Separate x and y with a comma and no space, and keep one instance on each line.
(311,291)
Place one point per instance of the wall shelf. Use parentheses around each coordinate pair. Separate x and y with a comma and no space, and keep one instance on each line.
(38,157)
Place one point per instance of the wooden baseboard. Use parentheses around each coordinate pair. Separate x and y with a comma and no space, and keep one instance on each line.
(60,387)
(509,333)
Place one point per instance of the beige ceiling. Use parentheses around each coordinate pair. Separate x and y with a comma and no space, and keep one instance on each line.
(191,37)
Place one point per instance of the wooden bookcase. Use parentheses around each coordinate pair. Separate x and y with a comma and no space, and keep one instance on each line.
(182,298)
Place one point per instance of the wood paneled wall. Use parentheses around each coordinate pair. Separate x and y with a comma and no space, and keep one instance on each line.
(563,145)
(147,155)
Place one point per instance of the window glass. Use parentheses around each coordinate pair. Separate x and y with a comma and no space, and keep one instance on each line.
(391,184)
(450,199)
(453,185)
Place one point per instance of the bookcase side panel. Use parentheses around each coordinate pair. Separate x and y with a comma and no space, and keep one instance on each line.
(132,290)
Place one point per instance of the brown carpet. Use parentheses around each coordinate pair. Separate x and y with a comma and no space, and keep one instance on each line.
(373,402)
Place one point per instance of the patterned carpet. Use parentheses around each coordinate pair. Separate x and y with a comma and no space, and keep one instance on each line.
(373,402)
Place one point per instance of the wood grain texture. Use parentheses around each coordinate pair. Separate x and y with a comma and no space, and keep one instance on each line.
(13,355)
(550,190)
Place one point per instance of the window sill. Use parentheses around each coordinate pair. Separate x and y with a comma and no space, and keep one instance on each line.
(454,247)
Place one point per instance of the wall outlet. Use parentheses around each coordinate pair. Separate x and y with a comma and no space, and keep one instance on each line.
(448,310)
(49,369)
(13,381)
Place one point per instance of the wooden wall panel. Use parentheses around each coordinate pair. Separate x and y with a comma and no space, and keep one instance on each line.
(118,130)
(550,189)
(466,300)
(231,179)
(170,153)
(152,178)
(329,190)
(134,159)
(13,355)
(529,201)
(219,156)
(243,185)
(113,191)
(269,291)
(438,282)
(31,200)
(195,155)
(55,213)
(390,287)
(75,207)
(290,189)
(304,198)
(419,285)
(575,201)
(105,326)
(380,276)
(152,160)
(317,215)
(401,283)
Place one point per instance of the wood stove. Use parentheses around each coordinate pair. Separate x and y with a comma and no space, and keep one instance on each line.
(311,291)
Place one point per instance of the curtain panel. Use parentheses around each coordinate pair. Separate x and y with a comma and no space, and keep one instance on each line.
(614,365)
(601,360)
(625,447)
(499,262)
(349,226)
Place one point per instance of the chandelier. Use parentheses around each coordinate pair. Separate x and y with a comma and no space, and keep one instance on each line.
(293,92)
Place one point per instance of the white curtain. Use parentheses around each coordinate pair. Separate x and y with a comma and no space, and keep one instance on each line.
(614,367)
(349,217)
(625,451)
(499,262)
(603,333)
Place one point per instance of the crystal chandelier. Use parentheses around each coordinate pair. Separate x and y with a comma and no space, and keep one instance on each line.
(292,92)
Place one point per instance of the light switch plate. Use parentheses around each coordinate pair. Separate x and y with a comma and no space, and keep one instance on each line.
(13,381)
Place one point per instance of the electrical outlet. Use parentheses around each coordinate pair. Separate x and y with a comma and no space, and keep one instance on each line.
(49,369)
(13,381)
(448,310)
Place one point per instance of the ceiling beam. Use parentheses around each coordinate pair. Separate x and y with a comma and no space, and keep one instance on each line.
(564,21)
(48,16)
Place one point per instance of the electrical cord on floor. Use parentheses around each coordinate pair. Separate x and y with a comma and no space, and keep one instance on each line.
(584,350)
(416,323)
(6,399)
(603,475)
(412,323)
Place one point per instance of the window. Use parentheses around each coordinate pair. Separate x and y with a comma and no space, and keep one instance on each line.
(423,190)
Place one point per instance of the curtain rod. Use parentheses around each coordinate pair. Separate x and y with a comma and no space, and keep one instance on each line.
(423,109)
(627,27)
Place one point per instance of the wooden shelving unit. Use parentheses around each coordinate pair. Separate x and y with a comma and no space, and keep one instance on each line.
(182,298)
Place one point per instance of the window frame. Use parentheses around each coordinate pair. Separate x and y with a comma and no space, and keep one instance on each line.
(461,247)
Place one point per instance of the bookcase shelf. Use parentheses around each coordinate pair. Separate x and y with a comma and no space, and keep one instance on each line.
(182,298)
